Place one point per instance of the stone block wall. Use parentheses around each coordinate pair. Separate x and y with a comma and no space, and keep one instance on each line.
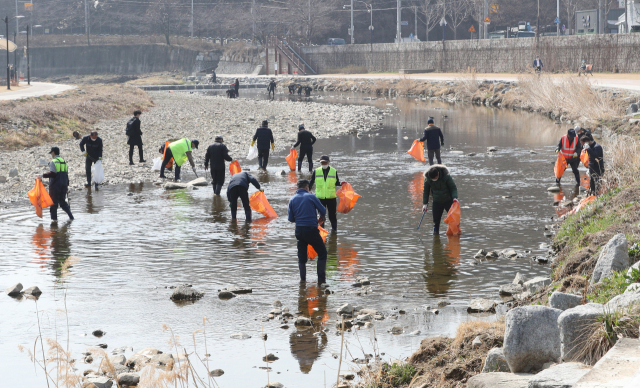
(608,53)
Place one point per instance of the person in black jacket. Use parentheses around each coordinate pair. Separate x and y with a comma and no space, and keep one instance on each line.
(93,153)
(239,188)
(135,136)
(58,184)
(236,87)
(305,141)
(596,162)
(264,136)
(272,88)
(433,136)
(217,153)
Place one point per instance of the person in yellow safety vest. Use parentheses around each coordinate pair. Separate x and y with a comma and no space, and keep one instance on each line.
(58,184)
(180,151)
(326,180)
(570,147)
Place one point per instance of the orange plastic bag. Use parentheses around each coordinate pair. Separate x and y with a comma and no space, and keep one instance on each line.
(258,202)
(348,198)
(234,167)
(417,150)
(170,163)
(561,165)
(583,203)
(291,159)
(584,158)
(453,220)
(311,253)
(39,197)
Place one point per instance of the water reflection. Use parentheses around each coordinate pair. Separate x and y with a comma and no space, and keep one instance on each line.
(308,343)
(218,209)
(52,246)
(441,264)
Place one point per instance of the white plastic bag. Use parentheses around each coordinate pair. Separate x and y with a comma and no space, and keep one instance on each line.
(157,164)
(97,172)
(253,152)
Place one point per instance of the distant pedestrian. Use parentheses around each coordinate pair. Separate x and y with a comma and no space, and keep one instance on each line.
(537,64)
(214,77)
(307,91)
(217,153)
(58,184)
(303,210)
(596,163)
(305,141)
(93,145)
(180,151)
(135,136)
(326,179)
(292,88)
(264,137)
(236,87)
(239,188)
(435,139)
(569,147)
(438,181)
(272,88)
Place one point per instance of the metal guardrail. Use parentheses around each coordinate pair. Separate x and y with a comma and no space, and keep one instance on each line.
(151,88)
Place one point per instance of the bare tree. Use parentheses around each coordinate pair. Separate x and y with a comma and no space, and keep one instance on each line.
(572,7)
(433,11)
(167,16)
(313,18)
(457,11)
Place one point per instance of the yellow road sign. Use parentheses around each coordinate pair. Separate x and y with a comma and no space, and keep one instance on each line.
(28,6)
(487,20)
(495,8)
(472,29)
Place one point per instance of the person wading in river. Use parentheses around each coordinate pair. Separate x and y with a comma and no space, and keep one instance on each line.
(135,137)
(217,153)
(264,136)
(569,147)
(303,210)
(435,139)
(58,184)
(326,180)
(180,151)
(438,180)
(93,145)
(305,141)
(596,162)
(239,188)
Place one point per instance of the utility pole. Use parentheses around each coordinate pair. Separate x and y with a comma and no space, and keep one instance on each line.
(15,58)
(626,16)
(17,20)
(600,29)
(253,18)
(28,62)
(485,27)
(398,22)
(538,24)
(86,22)
(415,21)
(192,18)
(353,39)
(558,17)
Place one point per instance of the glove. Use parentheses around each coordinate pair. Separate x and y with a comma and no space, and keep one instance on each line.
(39,176)
(575,154)
(273,146)
(343,183)
(557,150)
(261,190)
(321,220)
(442,143)
(100,158)
(425,208)
(456,200)
(193,169)
(252,143)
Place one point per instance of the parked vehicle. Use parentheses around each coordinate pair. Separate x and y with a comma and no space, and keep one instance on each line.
(336,42)
(526,34)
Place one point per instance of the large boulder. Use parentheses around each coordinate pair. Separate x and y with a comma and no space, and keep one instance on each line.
(128,379)
(631,296)
(559,376)
(536,284)
(613,258)
(499,380)
(573,325)
(14,290)
(531,337)
(561,301)
(183,292)
(629,271)
(510,289)
(495,362)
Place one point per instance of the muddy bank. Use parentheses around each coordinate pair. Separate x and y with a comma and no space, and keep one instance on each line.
(195,116)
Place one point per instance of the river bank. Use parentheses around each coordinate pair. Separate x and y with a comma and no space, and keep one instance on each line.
(176,115)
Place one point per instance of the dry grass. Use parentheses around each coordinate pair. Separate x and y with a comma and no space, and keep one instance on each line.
(158,79)
(40,120)
(469,84)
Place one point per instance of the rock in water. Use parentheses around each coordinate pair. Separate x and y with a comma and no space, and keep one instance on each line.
(361,281)
(396,330)
(33,291)
(240,336)
(573,324)
(99,333)
(118,360)
(510,289)
(495,362)
(128,379)
(531,338)
(274,384)
(270,357)
(480,305)
(554,189)
(238,290)
(216,373)
(175,186)
(183,292)
(14,290)
(345,309)
(226,295)
(559,376)
(482,253)
(562,301)
(536,284)
(613,258)
(519,279)
(198,182)
(99,381)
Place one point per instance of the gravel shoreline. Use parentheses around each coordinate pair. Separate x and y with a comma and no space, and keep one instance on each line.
(195,116)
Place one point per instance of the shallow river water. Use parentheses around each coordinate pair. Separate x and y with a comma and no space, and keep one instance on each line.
(129,242)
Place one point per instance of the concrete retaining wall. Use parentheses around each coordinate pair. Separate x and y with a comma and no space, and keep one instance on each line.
(124,59)
(608,53)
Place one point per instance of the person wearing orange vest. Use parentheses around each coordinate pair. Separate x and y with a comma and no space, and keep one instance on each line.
(570,147)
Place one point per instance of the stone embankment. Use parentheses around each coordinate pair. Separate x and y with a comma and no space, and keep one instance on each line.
(195,116)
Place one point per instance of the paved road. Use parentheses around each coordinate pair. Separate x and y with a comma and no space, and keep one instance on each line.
(36,89)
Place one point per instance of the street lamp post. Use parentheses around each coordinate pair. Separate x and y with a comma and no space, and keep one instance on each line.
(6,22)
(443,23)
(28,61)
(15,59)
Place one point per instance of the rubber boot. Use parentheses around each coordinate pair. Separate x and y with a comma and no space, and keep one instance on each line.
(218,189)
(436,230)
(303,272)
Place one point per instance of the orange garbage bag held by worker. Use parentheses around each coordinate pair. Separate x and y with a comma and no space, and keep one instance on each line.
(417,150)
(291,159)
(166,145)
(39,197)
(311,253)
(258,202)
(561,165)
(584,158)
(348,198)
(453,220)
(234,167)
